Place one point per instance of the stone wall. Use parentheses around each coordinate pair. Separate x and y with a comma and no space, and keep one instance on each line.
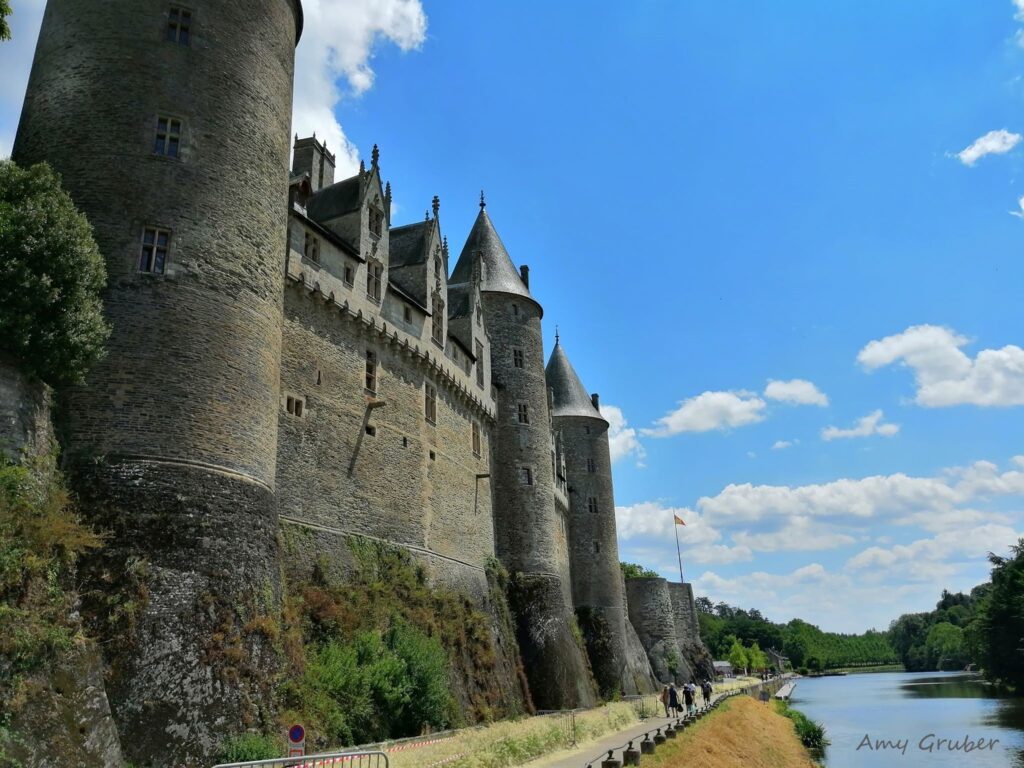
(412,482)
(653,618)
(688,631)
(25,410)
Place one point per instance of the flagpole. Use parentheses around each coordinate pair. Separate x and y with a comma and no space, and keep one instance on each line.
(675,527)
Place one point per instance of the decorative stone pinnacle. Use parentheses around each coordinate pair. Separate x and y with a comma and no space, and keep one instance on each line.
(426,215)
(435,204)
(362,168)
(483,203)
(375,155)
(387,191)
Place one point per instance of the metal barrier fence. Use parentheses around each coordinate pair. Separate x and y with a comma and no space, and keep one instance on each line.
(566,722)
(327,760)
(645,706)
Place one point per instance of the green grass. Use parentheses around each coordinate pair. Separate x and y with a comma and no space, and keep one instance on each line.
(811,733)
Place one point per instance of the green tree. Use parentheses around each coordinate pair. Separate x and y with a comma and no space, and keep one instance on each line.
(945,646)
(795,648)
(1000,620)
(51,275)
(5,28)
(634,571)
(756,658)
(738,657)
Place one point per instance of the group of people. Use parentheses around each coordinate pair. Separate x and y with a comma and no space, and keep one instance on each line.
(670,696)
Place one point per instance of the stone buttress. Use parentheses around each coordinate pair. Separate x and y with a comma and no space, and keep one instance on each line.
(170,129)
(530,532)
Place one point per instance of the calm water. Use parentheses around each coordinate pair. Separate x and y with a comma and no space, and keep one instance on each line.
(908,707)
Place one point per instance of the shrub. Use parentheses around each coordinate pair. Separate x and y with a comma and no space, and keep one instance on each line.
(51,275)
(811,733)
(249,746)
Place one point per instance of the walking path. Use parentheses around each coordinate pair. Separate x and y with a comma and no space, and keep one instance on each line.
(594,752)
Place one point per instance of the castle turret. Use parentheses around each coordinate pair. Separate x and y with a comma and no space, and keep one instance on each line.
(170,128)
(593,546)
(530,533)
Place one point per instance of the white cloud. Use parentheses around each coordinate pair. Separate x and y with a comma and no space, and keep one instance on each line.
(795,391)
(918,559)
(337,46)
(1019,5)
(1019,38)
(867,426)
(1019,213)
(781,445)
(799,533)
(709,411)
(946,376)
(992,143)
(622,440)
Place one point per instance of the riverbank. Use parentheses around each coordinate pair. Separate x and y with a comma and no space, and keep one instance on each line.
(743,733)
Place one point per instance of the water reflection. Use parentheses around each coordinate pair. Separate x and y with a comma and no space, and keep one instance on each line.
(911,707)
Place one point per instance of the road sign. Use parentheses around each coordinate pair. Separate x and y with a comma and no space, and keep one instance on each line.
(296,741)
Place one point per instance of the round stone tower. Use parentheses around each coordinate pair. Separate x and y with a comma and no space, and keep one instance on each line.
(530,533)
(593,546)
(169,125)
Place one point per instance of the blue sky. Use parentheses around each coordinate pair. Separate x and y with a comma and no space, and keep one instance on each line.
(713,196)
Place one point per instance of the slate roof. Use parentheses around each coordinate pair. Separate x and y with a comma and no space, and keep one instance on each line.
(569,396)
(459,304)
(336,200)
(499,274)
(408,244)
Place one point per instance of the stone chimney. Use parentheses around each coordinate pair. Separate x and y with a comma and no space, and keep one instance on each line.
(596,400)
(524,272)
(312,157)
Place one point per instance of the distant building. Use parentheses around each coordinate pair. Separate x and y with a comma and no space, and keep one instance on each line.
(723,669)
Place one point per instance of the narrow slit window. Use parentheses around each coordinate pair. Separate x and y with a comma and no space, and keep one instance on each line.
(430,404)
(168,137)
(527,475)
(476,440)
(179,26)
(371,372)
(155,244)
(350,276)
(479,364)
(597,547)
(517,358)
(591,467)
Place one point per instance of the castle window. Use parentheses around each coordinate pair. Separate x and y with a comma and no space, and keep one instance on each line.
(430,404)
(476,439)
(437,321)
(179,26)
(407,314)
(376,222)
(374,273)
(312,248)
(523,413)
(479,364)
(587,430)
(294,405)
(350,276)
(526,475)
(371,372)
(592,505)
(591,467)
(515,310)
(371,431)
(517,358)
(155,243)
(597,547)
(168,137)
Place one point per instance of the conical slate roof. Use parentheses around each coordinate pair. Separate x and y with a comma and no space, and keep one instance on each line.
(499,274)
(569,395)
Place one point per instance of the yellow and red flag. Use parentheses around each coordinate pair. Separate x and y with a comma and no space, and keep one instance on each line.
(679,520)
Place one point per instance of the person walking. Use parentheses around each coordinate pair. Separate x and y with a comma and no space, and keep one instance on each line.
(688,697)
(705,692)
(664,699)
(673,700)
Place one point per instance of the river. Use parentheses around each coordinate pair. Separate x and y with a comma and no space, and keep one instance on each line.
(904,715)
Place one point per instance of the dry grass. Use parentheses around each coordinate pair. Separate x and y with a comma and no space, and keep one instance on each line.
(743,734)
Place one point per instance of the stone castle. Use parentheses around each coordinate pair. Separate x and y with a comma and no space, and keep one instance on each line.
(288,370)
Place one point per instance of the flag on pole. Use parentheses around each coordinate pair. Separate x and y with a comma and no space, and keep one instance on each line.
(679,520)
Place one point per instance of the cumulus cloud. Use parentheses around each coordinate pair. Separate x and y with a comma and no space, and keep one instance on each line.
(944,374)
(795,391)
(781,445)
(333,61)
(710,411)
(866,426)
(992,143)
(622,439)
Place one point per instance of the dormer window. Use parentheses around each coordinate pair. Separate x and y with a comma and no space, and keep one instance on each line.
(374,275)
(376,222)
(437,321)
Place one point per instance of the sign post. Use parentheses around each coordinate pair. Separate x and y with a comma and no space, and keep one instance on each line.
(296,741)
